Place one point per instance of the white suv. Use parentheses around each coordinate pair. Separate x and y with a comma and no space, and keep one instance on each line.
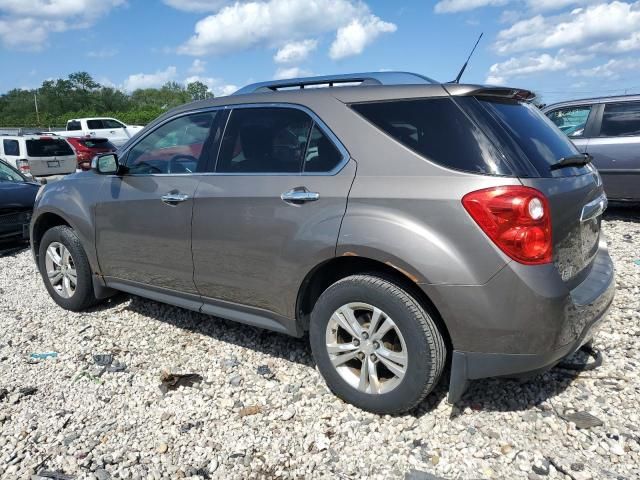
(39,156)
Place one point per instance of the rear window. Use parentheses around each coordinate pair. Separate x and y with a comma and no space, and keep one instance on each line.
(523,132)
(438,130)
(49,147)
(97,143)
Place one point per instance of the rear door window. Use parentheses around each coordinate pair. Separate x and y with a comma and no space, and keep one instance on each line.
(48,147)
(438,130)
(621,120)
(264,140)
(74,125)
(322,155)
(571,120)
(94,124)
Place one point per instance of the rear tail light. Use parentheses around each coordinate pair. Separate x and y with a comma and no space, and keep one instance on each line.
(516,218)
(23,166)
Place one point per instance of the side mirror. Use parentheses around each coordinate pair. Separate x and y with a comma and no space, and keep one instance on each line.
(106,164)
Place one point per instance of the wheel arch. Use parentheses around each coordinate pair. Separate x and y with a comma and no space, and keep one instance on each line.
(330,271)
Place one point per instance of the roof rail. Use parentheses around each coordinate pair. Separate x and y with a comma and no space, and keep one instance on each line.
(367,78)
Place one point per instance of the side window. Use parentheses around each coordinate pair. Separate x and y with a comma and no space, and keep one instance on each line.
(94,124)
(108,123)
(621,120)
(11,147)
(175,147)
(322,155)
(73,125)
(572,120)
(264,140)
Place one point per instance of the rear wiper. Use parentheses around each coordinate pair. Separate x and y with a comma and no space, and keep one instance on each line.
(572,160)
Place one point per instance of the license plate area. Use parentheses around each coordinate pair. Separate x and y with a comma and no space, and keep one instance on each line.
(53,163)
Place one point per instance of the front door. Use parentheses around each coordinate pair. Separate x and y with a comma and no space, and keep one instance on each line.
(271,212)
(143,218)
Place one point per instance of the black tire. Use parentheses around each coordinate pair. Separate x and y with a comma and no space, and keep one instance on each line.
(424,344)
(84,296)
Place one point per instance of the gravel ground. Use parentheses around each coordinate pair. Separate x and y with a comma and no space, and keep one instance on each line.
(263,411)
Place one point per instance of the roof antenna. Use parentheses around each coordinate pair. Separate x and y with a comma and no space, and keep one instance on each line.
(457,80)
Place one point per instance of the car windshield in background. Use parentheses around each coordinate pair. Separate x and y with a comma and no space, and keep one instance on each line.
(97,143)
(48,147)
(8,174)
(523,132)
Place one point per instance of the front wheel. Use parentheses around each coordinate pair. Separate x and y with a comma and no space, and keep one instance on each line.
(65,269)
(375,345)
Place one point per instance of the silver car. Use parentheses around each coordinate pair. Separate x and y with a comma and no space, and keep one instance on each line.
(400,223)
(608,129)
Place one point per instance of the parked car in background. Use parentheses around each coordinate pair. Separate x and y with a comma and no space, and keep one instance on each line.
(114,130)
(400,222)
(88,147)
(38,155)
(17,195)
(608,129)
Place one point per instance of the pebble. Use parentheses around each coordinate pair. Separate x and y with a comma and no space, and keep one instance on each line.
(263,411)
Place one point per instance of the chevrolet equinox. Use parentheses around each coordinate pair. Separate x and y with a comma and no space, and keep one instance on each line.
(402,223)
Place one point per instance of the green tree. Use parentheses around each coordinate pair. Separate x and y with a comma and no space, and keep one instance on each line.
(199,91)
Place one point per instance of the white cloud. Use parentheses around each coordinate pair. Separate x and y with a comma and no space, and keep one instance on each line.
(453,6)
(353,38)
(295,51)
(272,23)
(608,22)
(26,24)
(196,5)
(150,80)
(197,66)
(216,85)
(610,70)
(291,72)
(103,53)
(530,64)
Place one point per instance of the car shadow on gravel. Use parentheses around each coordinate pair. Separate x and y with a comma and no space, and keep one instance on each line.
(270,343)
(8,249)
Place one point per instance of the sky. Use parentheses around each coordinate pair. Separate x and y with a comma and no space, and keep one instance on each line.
(561,49)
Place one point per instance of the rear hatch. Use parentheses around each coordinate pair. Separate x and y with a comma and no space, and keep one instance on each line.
(50,156)
(532,146)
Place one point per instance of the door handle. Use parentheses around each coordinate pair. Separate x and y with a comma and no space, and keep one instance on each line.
(174,198)
(299,195)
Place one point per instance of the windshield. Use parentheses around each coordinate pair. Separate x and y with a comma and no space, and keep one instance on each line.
(8,174)
(48,147)
(97,143)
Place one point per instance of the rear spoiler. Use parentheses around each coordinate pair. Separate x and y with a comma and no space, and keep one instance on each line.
(495,92)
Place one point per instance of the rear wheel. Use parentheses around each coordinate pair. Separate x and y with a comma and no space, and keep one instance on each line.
(375,345)
(65,269)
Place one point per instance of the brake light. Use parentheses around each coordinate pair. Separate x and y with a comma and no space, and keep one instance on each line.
(516,218)
(23,166)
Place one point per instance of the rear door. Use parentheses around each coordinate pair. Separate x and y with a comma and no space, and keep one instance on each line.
(575,193)
(616,150)
(271,211)
(50,156)
(143,218)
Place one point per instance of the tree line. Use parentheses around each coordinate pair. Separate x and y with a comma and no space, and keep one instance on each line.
(79,95)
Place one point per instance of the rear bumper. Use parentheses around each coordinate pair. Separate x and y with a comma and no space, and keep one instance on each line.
(525,320)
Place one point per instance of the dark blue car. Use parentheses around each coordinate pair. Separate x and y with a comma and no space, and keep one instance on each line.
(17,195)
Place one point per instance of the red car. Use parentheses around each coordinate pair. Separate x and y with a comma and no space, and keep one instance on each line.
(88,147)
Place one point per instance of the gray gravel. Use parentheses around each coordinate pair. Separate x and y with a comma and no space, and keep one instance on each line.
(262,410)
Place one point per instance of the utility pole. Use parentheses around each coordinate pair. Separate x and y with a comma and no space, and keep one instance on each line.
(35,100)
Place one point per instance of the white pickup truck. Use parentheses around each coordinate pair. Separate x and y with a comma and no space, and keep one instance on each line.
(117,132)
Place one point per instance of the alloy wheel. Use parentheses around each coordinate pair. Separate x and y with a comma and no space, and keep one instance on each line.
(366,348)
(61,270)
